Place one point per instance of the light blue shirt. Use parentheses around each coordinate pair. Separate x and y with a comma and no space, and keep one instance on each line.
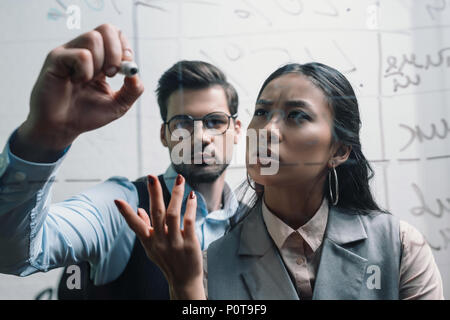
(38,235)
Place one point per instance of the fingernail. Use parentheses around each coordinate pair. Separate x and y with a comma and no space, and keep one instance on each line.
(192,194)
(179,179)
(111,71)
(127,53)
(151,180)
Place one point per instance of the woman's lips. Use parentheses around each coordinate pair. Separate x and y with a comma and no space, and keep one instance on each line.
(266,160)
(269,160)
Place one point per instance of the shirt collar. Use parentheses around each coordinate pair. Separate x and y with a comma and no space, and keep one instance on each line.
(230,202)
(312,231)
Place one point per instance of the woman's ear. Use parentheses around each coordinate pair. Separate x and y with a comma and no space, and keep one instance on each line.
(340,155)
(162,135)
(237,130)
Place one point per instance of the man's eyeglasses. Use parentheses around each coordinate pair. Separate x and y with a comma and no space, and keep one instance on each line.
(215,123)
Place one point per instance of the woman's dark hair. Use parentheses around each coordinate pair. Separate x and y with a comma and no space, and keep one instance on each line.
(193,75)
(355,173)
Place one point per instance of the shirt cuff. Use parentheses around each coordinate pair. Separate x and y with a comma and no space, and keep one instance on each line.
(15,169)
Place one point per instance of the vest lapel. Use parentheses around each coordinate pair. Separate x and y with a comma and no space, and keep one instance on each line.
(267,277)
(341,272)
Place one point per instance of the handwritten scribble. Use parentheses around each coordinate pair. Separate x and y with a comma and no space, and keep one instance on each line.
(424,207)
(233,52)
(96,5)
(257,12)
(351,65)
(62,4)
(439,6)
(149,5)
(444,235)
(56,13)
(274,49)
(116,7)
(243,14)
(214,62)
(333,12)
(404,69)
(417,133)
(406,82)
(309,54)
(292,7)
(346,58)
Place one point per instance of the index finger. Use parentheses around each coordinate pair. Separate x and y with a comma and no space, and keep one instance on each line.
(136,223)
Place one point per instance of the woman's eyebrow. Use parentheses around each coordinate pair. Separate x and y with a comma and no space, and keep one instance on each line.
(298,103)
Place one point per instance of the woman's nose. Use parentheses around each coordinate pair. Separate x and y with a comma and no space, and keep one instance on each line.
(274,119)
(271,133)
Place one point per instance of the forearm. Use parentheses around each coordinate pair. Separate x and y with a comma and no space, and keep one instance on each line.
(37,145)
(85,227)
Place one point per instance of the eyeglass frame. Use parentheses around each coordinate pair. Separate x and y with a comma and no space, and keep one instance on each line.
(232,116)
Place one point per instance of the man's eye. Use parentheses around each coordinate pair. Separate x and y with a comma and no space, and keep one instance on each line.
(212,123)
(260,112)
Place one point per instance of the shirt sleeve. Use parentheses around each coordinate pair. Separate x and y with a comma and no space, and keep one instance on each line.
(36,235)
(419,274)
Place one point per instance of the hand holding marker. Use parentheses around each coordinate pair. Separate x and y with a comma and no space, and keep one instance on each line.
(71,95)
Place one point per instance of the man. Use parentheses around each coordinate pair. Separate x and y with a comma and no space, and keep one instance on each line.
(70,97)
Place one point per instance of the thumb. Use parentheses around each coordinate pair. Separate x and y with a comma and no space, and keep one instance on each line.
(130,91)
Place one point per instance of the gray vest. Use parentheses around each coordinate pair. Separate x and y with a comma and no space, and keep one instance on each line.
(359,259)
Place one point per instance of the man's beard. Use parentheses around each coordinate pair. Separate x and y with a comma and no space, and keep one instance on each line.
(200,173)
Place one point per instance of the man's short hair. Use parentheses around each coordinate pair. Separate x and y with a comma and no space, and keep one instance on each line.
(193,75)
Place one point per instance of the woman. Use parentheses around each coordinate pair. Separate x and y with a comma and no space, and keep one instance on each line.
(314,231)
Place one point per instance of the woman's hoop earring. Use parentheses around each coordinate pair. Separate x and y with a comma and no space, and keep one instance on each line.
(336,187)
(249,182)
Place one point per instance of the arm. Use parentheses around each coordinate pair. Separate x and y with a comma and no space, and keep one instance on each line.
(71,96)
(36,235)
(419,274)
(176,252)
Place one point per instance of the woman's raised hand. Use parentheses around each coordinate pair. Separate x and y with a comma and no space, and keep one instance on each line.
(176,251)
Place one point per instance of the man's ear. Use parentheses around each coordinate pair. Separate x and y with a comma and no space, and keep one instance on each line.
(340,155)
(237,130)
(162,135)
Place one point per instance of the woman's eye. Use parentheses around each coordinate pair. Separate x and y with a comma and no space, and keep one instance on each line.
(298,116)
(260,112)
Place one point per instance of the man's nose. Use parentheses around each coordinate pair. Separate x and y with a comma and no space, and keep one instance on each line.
(200,133)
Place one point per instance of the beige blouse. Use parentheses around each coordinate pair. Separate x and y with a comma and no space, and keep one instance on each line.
(419,274)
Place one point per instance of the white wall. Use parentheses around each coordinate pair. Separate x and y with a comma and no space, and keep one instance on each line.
(249,39)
